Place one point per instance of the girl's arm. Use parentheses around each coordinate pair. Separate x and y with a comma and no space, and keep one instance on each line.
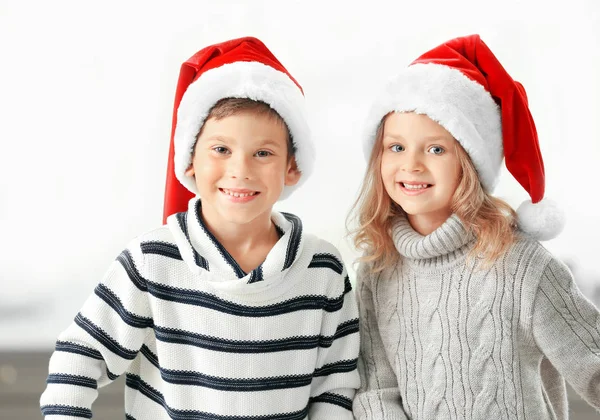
(378,396)
(566,327)
(101,343)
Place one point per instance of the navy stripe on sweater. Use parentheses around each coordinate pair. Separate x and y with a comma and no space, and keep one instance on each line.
(327,261)
(66,410)
(78,349)
(101,336)
(336,367)
(294,242)
(77,380)
(161,248)
(199,259)
(74,348)
(134,275)
(226,384)
(336,399)
(207,300)
(257,275)
(136,383)
(178,336)
(114,302)
(181,377)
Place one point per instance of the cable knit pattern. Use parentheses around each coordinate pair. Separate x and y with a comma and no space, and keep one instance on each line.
(443,337)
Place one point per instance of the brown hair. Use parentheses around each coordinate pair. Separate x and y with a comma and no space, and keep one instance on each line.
(490,219)
(227,107)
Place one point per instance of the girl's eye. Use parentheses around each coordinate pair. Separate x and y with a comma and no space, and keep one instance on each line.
(436,150)
(396,148)
(221,150)
(263,153)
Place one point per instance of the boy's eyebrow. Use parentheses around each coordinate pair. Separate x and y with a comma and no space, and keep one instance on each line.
(272,143)
(219,137)
(261,143)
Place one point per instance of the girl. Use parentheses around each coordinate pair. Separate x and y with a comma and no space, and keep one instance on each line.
(464,315)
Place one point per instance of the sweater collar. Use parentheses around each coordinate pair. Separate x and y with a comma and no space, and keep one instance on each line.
(443,246)
(205,254)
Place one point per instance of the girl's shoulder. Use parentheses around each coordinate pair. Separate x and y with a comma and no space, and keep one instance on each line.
(529,259)
(527,249)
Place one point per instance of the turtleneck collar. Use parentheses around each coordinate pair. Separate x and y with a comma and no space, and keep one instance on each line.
(442,247)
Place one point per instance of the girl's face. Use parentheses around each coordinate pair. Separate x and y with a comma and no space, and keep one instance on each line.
(419,167)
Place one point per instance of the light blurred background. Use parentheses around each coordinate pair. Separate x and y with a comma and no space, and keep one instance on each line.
(86,96)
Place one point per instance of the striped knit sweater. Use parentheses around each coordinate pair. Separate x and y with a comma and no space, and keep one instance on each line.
(442,338)
(197,338)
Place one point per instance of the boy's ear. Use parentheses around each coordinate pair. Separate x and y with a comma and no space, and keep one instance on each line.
(190,171)
(292,175)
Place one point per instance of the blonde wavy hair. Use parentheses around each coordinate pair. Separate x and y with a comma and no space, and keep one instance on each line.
(490,219)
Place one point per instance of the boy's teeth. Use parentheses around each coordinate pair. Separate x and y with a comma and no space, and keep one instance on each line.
(236,194)
(414,187)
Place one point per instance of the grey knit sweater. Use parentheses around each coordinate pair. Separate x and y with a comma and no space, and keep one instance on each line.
(442,338)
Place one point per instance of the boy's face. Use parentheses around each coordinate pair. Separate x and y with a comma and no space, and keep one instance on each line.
(419,166)
(241,166)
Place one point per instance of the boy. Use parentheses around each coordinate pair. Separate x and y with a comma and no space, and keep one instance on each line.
(229,311)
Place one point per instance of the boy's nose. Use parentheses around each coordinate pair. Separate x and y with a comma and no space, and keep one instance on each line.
(239,167)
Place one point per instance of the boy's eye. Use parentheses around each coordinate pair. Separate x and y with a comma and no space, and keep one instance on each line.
(220,149)
(436,150)
(397,148)
(263,153)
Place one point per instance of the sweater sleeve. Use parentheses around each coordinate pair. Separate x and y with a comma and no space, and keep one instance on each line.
(336,377)
(378,397)
(566,328)
(101,342)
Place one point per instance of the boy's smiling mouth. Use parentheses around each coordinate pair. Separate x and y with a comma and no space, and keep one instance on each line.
(239,193)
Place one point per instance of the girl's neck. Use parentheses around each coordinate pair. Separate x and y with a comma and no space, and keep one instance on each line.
(424,224)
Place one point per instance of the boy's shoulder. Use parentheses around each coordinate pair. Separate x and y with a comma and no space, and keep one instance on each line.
(323,259)
(150,240)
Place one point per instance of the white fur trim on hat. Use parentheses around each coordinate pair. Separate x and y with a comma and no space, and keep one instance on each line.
(250,80)
(543,221)
(460,105)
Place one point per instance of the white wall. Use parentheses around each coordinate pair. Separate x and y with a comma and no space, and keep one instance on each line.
(86,95)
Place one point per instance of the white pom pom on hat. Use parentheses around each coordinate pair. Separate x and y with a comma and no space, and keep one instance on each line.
(544,220)
(462,86)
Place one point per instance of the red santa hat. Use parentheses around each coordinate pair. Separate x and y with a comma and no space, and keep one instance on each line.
(461,85)
(238,68)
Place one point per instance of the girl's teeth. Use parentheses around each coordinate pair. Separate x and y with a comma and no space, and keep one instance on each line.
(414,187)
(235,194)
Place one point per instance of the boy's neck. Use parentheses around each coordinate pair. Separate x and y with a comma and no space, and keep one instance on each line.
(248,244)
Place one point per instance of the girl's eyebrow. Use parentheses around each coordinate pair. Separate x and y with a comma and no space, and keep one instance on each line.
(394,136)
(438,138)
(435,137)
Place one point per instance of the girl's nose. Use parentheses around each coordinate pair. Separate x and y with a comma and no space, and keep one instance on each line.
(412,162)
